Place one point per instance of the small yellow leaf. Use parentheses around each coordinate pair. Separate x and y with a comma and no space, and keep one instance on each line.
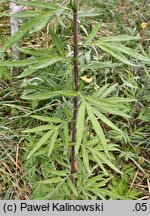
(86,79)
(144,25)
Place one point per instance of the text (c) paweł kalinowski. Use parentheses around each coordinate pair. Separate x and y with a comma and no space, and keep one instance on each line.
(65,207)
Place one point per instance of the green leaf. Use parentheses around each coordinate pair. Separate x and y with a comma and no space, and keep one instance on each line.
(98,194)
(85,159)
(47,119)
(99,162)
(97,147)
(128,51)
(102,157)
(40,4)
(47,95)
(80,125)
(97,129)
(72,187)
(51,180)
(27,72)
(19,63)
(40,96)
(43,139)
(118,38)
(66,189)
(105,120)
(66,136)
(99,179)
(100,91)
(105,107)
(87,14)
(103,102)
(35,24)
(39,128)
(23,30)
(91,181)
(144,114)
(95,141)
(58,43)
(42,63)
(100,65)
(59,173)
(103,183)
(93,33)
(24,14)
(53,141)
(40,22)
(120,100)
(36,52)
(116,54)
(68,93)
(106,91)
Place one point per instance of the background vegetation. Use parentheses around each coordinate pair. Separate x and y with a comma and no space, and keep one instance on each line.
(114,93)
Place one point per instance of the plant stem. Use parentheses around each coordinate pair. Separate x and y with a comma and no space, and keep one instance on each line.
(75,39)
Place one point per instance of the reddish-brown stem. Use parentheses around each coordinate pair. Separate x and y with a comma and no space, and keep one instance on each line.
(75,39)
